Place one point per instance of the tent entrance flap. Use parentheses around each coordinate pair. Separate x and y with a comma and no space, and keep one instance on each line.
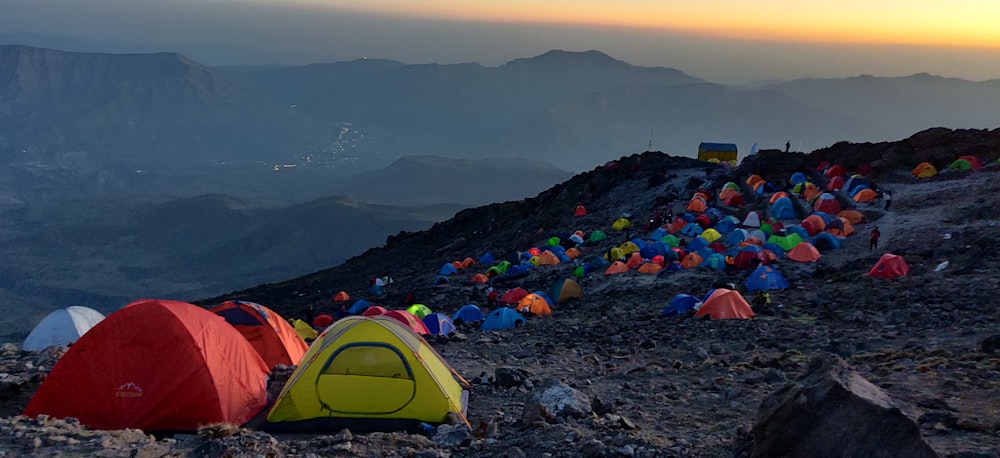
(355,371)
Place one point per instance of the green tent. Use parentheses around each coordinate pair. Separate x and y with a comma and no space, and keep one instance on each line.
(579,271)
(503,266)
(554,241)
(960,164)
(786,242)
(731,185)
(670,240)
(420,310)
(597,236)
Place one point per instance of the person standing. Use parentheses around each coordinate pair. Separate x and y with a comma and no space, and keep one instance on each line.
(887,197)
(875,234)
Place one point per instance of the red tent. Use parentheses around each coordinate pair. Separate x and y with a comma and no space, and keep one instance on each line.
(157,366)
(342,297)
(580,211)
(513,296)
(410,320)
(322,321)
(725,304)
(274,339)
(889,266)
(374,310)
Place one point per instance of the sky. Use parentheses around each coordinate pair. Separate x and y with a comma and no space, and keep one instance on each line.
(726,41)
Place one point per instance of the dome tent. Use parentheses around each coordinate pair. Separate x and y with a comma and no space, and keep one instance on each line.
(61,328)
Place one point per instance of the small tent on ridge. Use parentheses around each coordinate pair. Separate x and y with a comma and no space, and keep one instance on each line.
(765,278)
(269,334)
(889,266)
(468,314)
(725,304)
(679,305)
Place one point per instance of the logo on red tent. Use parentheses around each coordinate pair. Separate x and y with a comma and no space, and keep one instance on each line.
(129,390)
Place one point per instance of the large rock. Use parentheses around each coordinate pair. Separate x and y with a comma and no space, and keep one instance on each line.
(555,400)
(833,412)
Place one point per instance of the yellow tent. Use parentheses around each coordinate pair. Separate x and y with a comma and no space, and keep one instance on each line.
(711,235)
(621,224)
(304,330)
(420,310)
(368,374)
(629,248)
(924,170)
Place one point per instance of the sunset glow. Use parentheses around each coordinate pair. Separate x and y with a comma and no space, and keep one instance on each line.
(964,23)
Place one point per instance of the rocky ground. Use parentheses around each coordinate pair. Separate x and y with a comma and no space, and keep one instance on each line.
(642,385)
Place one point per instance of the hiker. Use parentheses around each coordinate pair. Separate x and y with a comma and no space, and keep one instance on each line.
(888,199)
(310,313)
(410,299)
(875,234)
(788,145)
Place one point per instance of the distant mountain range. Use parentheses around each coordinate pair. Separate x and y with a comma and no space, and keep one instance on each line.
(574,109)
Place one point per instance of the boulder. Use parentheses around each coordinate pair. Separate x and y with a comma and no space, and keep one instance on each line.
(555,400)
(832,411)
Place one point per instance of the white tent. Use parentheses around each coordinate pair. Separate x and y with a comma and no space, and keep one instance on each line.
(61,328)
(752,220)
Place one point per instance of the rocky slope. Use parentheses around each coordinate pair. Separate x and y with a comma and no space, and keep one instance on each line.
(641,385)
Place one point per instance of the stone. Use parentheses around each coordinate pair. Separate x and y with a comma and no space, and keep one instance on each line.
(809,417)
(508,377)
(593,448)
(453,436)
(556,400)
(600,407)
(515,452)
(990,344)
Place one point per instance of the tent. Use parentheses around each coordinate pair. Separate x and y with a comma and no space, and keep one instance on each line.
(368,374)
(679,305)
(710,235)
(322,321)
(447,269)
(342,297)
(513,296)
(714,261)
(548,258)
(924,170)
(157,366)
(441,280)
(468,314)
(268,333)
(597,236)
(803,252)
(419,310)
(616,268)
(827,203)
(439,324)
(783,208)
(960,164)
(797,178)
(865,195)
(753,180)
(621,224)
(836,170)
(580,211)
(813,224)
(691,261)
(765,278)
(61,328)
(408,319)
(826,242)
(479,278)
(752,219)
(304,330)
(724,304)
(786,240)
(629,248)
(697,205)
(375,310)
(635,260)
(502,318)
(854,216)
(359,307)
(650,268)
(487,258)
(972,160)
(564,290)
(889,266)
(835,184)
(534,304)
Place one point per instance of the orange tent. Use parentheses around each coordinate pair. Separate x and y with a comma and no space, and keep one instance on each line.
(616,267)
(580,211)
(548,258)
(803,252)
(534,304)
(634,261)
(924,170)
(725,304)
(468,262)
(578,234)
(691,261)
(156,365)
(865,195)
(778,195)
(270,335)
(814,224)
(573,253)
(704,195)
(753,180)
(650,268)
(342,297)
(697,205)
(726,192)
(457,265)
(854,216)
(534,251)
(844,229)
(480,278)
(889,266)
(810,190)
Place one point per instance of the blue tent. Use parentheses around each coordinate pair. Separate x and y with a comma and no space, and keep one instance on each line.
(447,269)
(648,252)
(737,236)
(775,248)
(439,324)
(681,304)
(696,244)
(798,177)
(469,314)
(359,307)
(487,258)
(825,241)
(707,295)
(501,318)
(673,267)
(782,208)
(692,229)
(660,247)
(765,278)
(597,263)
(658,234)
(726,225)
(826,216)
(440,280)
(638,242)
(714,261)
(376,290)
(519,269)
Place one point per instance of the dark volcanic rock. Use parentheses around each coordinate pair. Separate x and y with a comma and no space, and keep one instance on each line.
(833,411)
(555,400)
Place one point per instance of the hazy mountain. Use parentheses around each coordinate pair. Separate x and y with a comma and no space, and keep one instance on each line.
(903,105)
(106,253)
(578,133)
(422,180)
(140,109)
